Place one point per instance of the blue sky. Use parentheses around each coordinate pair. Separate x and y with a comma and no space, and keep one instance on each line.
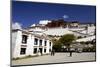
(28,13)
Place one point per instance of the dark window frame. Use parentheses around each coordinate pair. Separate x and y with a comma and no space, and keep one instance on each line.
(50,43)
(21,51)
(35,50)
(35,41)
(45,43)
(44,50)
(24,39)
(40,42)
(49,50)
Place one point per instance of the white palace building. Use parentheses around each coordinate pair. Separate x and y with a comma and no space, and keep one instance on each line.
(25,43)
(35,40)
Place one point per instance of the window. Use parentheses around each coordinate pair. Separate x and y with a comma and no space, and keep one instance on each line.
(44,50)
(45,43)
(40,42)
(35,41)
(49,50)
(35,50)
(23,51)
(50,43)
(24,39)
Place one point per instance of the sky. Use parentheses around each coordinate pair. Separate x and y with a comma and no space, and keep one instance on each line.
(28,13)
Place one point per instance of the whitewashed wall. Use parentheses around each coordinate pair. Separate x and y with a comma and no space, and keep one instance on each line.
(14,36)
(16,52)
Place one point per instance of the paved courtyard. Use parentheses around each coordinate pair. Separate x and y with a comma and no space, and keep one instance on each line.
(59,57)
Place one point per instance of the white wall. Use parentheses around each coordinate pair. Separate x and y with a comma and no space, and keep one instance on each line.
(17,44)
(14,36)
(86,39)
(30,44)
(17,37)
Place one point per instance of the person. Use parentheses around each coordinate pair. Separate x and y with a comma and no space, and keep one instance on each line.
(70,53)
(71,50)
(52,52)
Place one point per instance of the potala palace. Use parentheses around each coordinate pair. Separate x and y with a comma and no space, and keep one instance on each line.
(37,38)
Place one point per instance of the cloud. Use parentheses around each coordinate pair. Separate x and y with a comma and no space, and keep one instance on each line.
(33,25)
(44,21)
(65,16)
(16,25)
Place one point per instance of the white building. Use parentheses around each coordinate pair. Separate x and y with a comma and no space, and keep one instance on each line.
(25,43)
(34,40)
(90,38)
(84,31)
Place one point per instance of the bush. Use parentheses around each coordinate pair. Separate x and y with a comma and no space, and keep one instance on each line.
(79,37)
(92,49)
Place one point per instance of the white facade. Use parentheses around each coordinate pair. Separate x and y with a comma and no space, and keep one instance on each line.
(35,41)
(76,31)
(25,43)
(90,38)
(82,30)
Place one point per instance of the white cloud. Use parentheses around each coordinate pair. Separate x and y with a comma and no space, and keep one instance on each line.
(16,25)
(65,16)
(33,25)
(44,21)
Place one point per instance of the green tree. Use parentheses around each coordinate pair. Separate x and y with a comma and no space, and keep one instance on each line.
(56,45)
(67,39)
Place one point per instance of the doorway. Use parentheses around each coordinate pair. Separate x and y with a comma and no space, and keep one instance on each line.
(40,50)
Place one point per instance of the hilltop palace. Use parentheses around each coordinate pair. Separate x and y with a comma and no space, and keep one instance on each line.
(37,39)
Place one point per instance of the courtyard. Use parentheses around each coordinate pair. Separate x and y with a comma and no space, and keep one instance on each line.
(57,58)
